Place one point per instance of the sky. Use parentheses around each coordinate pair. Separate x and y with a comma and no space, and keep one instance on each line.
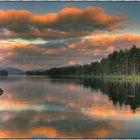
(42,35)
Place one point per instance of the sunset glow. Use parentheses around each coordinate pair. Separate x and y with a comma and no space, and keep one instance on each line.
(66,34)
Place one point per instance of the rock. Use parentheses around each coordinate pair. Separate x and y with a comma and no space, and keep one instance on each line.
(1,91)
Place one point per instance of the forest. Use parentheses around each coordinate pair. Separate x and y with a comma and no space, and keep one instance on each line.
(122,62)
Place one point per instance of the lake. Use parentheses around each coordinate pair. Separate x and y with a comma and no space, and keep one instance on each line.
(42,107)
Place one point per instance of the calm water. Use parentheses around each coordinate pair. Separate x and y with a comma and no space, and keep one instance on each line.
(38,107)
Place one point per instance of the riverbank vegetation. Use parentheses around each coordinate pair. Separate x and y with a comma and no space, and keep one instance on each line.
(122,64)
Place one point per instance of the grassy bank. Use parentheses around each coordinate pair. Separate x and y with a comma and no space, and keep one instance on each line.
(130,78)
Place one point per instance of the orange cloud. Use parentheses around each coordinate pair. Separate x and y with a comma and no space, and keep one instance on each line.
(103,44)
(97,52)
(72,62)
(66,22)
(117,41)
(72,46)
(49,51)
(104,39)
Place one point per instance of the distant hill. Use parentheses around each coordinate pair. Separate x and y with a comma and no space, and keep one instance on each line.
(13,71)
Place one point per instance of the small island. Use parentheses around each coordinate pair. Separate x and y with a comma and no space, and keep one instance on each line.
(3,73)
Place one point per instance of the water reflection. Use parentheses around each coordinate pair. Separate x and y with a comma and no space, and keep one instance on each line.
(38,107)
(120,93)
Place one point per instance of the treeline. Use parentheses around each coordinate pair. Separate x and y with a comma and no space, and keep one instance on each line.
(122,62)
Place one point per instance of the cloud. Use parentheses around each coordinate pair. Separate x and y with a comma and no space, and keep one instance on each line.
(116,41)
(62,52)
(68,22)
(70,36)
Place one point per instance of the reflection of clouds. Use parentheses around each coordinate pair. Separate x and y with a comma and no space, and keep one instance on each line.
(15,106)
(37,107)
(50,124)
(39,94)
(109,112)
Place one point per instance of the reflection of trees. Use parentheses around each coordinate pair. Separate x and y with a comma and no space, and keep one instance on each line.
(120,93)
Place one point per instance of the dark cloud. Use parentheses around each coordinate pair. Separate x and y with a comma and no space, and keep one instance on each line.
(62,52)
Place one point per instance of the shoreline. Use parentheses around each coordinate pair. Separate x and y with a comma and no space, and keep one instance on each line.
(127,78)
